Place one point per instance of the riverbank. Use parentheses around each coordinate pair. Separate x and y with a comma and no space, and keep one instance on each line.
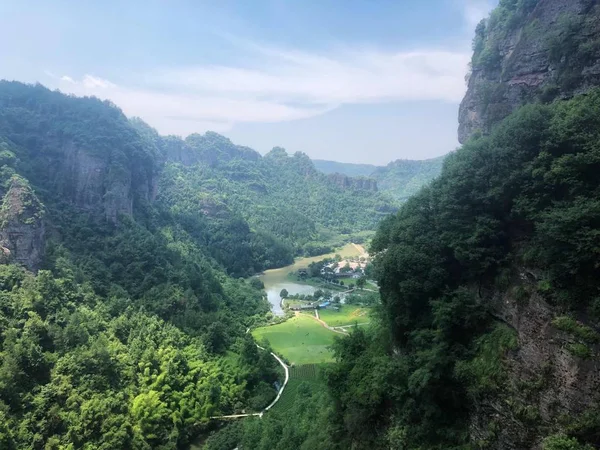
(275,280)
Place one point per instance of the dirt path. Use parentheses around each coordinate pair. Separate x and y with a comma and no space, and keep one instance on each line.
(360,248)
(298,313)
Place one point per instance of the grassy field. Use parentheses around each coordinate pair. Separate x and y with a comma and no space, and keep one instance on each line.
(308,373)
(277,276)
(347,315)
(301,340)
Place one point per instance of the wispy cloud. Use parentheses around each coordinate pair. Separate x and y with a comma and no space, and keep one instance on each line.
(287,85)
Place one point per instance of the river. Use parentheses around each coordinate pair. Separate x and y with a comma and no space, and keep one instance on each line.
(277,279)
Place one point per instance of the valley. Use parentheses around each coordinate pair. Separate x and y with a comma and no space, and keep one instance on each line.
(170,292)
(275,280)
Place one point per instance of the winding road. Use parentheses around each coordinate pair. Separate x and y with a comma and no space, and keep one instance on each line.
(273,403)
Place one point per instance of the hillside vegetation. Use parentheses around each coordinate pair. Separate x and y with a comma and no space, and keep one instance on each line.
(510,223)
(130,335)
(399,179)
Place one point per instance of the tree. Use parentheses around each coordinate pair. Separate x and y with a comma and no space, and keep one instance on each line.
(284,293)
(361,282)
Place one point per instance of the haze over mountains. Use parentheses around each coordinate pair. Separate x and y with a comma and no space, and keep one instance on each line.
(399,179)
(127,263)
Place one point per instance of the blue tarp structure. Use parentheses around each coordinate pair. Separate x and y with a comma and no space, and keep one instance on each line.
(324,305)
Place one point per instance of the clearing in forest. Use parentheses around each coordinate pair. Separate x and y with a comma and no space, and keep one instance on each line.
(301,340)
(347,315)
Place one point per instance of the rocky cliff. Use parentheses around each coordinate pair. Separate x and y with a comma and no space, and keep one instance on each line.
(79,150)
(22,228)
(552,377)
(534,50)
(359,183)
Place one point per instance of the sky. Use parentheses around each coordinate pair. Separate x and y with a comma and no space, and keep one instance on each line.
(363,81)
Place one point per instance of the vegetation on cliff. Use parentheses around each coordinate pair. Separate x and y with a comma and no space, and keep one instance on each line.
(399,179)
(521,201)
(524,197)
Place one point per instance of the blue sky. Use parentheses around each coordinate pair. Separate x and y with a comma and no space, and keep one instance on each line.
(350,80)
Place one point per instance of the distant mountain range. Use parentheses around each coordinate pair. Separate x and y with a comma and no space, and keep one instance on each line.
(400,179)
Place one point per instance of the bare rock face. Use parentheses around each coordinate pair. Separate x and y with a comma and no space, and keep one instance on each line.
(547,50)
(546,380)
(22,230)
(93,185)
(357,183)
(79,150)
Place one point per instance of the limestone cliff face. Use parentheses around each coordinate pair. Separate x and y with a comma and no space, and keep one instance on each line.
(547,380)
(539,50)
(359,183)
(22,228)
(79,150)
(533,51)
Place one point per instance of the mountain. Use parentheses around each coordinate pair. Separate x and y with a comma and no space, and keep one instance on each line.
(350,169)
(488,335)
(241,207)
(288,207)
(403,178)
(122,315)
(399,179)
(528,51)
(490,329)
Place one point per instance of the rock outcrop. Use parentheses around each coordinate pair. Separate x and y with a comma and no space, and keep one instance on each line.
(537,50)
(99,162)
(534,51)
(357,183)
(548,383)
(22,228)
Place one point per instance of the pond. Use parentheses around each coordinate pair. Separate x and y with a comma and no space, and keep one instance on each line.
(277,279)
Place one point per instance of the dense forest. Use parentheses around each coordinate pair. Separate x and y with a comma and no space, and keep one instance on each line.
(399,179)
(130,333)
(126,301)
(521,201)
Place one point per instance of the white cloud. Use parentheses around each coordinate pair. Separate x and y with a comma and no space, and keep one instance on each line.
(91,82)
(288,85)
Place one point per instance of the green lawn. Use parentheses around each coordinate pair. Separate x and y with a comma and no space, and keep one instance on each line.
(300,339)
(347,315)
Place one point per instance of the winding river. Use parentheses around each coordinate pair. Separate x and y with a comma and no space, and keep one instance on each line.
(277,279)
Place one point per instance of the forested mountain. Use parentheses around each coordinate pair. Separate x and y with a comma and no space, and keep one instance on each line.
(350,169)
(130,334)
(489,277)
(489,329)
(403,178)
(288,206)
(399,179)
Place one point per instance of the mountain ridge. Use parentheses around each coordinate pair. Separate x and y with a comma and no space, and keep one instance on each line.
(400,178)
